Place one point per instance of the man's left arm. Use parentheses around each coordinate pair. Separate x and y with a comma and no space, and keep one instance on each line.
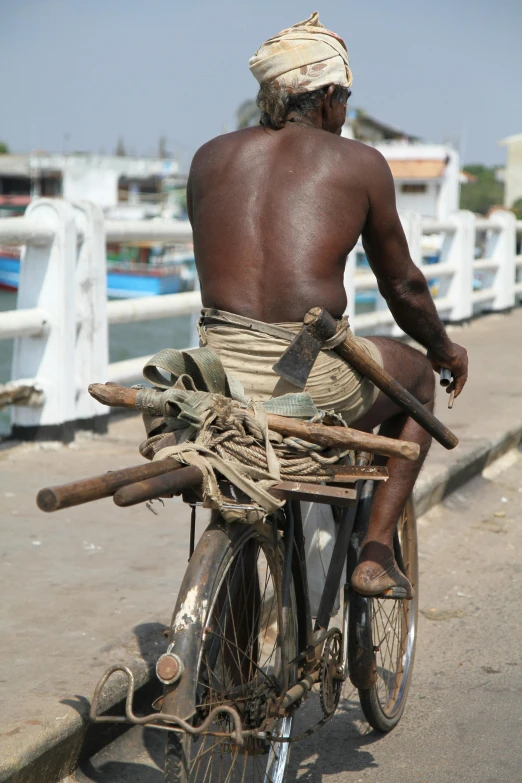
(400,281)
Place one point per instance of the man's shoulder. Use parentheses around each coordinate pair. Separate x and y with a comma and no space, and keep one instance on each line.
(359,149)
(227,140)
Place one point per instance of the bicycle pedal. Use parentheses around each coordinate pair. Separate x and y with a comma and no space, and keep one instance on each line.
(395,593)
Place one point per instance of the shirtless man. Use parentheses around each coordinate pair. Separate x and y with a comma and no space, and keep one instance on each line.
(275,211)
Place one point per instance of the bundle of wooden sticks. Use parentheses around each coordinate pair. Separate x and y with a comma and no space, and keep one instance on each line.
(142,482)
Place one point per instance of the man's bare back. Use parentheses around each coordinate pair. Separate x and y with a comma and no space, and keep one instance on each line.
(275,214)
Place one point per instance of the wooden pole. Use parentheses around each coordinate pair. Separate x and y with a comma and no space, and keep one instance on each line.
(176,482)
(96,487)
(343,437)
(322,435)
(171,483)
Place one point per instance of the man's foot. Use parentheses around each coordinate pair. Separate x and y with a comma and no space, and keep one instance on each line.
(377,573)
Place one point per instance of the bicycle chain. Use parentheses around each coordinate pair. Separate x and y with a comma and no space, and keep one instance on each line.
(330,636)
(330,686)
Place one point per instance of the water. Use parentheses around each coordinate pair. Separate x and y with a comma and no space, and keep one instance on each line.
(7,302)
(126,341)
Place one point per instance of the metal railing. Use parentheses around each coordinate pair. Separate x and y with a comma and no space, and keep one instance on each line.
(61,325)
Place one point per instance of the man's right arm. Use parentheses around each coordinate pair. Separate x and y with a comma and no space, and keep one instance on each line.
(400,282)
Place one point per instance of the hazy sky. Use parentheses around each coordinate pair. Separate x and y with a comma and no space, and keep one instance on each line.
(80,73)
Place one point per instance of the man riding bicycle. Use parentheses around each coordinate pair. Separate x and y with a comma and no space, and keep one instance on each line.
(275,210)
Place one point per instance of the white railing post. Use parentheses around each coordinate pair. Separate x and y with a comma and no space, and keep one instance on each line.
(458,250)
(91,333)
(349,283)
(412,225)
(47,283)
(194,318)
(501,247)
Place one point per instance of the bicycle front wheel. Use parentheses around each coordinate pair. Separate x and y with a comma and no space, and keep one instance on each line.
(393,625)
(240,664)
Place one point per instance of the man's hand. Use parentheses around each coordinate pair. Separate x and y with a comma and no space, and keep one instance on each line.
(457,362)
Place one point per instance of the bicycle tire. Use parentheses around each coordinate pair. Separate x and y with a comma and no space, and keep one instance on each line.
(383,704)
(227,664)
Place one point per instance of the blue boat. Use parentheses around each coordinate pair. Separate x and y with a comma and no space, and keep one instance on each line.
(9,271)
(125,280)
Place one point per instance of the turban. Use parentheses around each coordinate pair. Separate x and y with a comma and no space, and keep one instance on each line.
(303,58)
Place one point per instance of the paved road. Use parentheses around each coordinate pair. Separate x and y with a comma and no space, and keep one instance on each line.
(463,721)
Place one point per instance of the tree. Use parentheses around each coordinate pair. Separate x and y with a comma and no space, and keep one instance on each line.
(4,149)
(162,148)
(120,148)
(181,196)
(484,192)
(247,114)
(517,208)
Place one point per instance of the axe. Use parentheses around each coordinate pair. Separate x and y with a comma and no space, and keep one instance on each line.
(319,326)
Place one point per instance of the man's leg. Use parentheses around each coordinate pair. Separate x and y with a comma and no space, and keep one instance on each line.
(376,571)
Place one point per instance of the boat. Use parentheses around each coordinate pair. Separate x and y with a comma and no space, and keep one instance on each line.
(133,270)
(9,268)
(144,269)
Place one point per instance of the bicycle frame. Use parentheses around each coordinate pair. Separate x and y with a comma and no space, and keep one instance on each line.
(178,704)
(359,654)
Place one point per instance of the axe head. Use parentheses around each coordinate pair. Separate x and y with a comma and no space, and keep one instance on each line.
(297,361)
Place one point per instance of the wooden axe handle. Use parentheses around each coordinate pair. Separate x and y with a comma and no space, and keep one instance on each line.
(360,361)
(323,435)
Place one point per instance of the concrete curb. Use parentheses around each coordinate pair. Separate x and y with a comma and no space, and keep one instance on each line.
(431,489)
(56,754)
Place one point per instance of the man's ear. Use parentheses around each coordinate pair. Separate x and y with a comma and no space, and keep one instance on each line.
(327,100)
(329,93)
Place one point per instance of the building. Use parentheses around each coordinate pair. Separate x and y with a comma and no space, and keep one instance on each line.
(363,127)
(511,175)
(123,186)
(427,177)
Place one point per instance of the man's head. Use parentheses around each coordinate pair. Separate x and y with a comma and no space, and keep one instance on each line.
(325,107)
(303,72)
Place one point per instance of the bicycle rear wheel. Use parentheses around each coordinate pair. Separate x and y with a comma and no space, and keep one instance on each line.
(240,664)
(393,625)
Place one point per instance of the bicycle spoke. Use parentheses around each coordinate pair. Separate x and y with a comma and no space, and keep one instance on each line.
(241,653)
(392,628)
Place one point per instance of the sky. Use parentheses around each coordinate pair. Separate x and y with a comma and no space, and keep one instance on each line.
(79,74)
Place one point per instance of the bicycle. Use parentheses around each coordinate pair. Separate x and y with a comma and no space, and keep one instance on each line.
(243,653)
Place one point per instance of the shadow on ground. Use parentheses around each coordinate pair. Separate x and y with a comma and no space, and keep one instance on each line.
(146,746)
(137,756)
(345,749)
(109,763)
(337,748)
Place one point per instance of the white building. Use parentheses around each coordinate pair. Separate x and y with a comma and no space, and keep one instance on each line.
(427,177)
(124,186)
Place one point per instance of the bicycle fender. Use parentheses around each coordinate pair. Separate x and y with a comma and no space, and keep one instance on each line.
(188,621)
(362,665)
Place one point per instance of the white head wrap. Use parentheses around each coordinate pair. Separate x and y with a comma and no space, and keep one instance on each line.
(303,58)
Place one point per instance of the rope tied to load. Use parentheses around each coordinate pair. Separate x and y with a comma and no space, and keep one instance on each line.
(200,416)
